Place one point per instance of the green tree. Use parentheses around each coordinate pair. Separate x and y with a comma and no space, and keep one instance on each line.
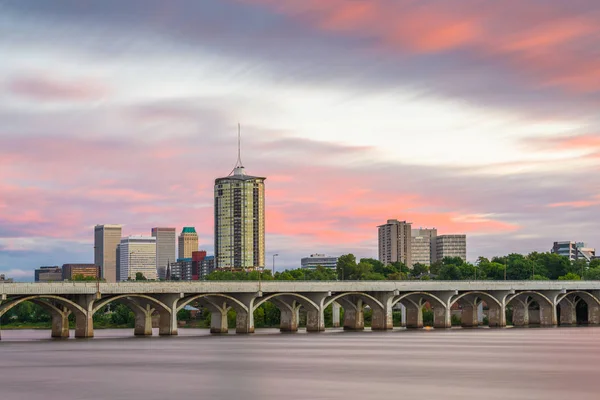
(140,277)
(346,266)
(592,274)
(571,276)
(419,270)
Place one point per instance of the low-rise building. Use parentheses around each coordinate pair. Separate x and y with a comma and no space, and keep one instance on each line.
(207,266)
(451,246)
(423,243)
(314,260)
(80,271)
(48,274)
(192,269)
(574,250)
(4,279)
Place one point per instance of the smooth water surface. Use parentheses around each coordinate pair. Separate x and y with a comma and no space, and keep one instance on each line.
(546,364)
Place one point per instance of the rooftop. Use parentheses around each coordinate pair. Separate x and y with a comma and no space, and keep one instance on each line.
(188,229)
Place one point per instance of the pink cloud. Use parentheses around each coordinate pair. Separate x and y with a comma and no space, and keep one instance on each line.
(549,43)
(314,203)
(45,88)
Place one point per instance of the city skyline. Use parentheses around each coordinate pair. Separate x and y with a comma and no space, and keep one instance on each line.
(466,123)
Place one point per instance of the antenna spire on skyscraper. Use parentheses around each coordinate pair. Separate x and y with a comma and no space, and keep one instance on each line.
(239,159)
(239,167)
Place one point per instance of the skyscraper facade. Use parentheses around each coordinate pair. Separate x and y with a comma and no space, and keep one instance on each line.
(395,242)
(451,246)
(240,220)
(138,254)
(165,249)
(423,246)
(188,242)
(106,240)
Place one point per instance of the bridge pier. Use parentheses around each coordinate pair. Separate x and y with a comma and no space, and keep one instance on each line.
(354,316)
(289,311)
(244,322)
(593,314)
(520,315)
(496,316)
(315,320)
(167,322)
(548,315)
(335,314)
(60,323)
(84,323)
(382,317)
(469,313)
(143,320)
(568,314)
(414,315)
(441,317)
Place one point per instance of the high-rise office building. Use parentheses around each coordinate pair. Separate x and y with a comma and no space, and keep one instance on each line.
(165,249)
(423,246)
(574,250)
(240,220)
(395,242)
(451,246)
(188,242)
(138,254)
(106,240)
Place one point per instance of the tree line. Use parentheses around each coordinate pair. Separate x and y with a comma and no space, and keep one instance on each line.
(533,266)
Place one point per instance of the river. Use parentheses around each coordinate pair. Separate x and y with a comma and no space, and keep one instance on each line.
(512,363)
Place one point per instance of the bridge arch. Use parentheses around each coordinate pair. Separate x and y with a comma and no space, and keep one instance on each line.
(105,301)
(428,296)
(74,307)
(533,294)
(367,299)
(586,296)
(235,303)
(303,300)
(489,299)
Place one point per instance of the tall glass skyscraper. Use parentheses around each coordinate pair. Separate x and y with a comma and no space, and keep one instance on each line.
(240,220)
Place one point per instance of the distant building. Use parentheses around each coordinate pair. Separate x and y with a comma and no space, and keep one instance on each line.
(202,265)
(48,274)
(4,279)
(137,254)
(423,246)
(188,242)
(314,260)
(181,270)
(192,269)
(207,266)
(395,242)
(574,250)
(70,271)
(106,240)
(451,246)
(165,249)
(240,220)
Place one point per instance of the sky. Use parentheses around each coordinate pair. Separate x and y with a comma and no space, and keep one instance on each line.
(472,117)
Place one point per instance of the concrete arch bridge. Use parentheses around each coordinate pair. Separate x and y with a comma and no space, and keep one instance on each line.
(546,303)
